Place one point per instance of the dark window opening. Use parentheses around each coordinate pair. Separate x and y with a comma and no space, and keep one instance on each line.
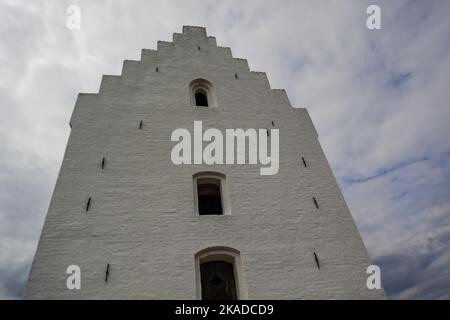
(202,93)
(201,99)
(209,199)
(217,278)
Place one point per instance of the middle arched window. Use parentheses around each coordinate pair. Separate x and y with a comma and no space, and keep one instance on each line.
(210,193)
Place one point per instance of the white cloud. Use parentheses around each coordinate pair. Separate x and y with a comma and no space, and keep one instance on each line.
(379,100)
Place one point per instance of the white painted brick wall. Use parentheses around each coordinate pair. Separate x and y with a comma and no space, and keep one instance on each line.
(142,221)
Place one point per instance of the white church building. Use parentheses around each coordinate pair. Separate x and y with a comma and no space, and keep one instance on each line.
(140,225)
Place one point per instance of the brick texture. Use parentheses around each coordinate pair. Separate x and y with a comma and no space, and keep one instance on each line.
(141,218)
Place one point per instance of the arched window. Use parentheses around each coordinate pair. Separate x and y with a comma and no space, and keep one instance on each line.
(201,98)
(209,196)
(210,193)
(219,274)
(217,279)
(202,93)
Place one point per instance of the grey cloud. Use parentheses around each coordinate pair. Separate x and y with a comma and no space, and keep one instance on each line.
(378,99)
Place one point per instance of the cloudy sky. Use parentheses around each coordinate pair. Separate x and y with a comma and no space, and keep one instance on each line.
(379,100)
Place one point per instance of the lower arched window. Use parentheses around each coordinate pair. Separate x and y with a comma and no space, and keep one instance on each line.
(217,278)
(219,274)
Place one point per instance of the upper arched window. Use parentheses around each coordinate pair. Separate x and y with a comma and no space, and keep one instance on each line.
(202,93)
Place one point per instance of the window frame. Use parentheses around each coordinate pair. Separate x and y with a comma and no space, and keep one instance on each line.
(207,87)
(221,253)
(226,210)
(203,92)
